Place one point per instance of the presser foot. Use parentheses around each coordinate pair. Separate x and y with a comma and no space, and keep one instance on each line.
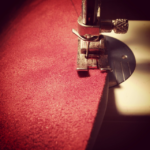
(92,55)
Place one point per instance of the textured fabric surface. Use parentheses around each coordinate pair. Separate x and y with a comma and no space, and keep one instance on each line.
(44,103)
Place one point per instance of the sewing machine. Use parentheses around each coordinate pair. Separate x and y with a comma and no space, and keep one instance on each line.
(95,53)
(93,49)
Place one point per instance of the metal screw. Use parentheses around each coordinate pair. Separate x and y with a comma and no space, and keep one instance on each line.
(124,57)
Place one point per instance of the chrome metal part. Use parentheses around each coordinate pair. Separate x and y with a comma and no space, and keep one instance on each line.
(90,39)
(84,11)
(92,55)
(103,63)
(87,29)
(98,12)
(92,63)
(120,25)
(82,63)
(95,46)
(87,49)
(106,26)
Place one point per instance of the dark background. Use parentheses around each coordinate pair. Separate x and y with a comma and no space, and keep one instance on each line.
(111,9)
(129,9)
(117,132)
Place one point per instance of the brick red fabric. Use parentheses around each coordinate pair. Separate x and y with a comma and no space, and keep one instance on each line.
(44,103)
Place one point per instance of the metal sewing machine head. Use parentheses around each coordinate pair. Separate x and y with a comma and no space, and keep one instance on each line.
(91,43)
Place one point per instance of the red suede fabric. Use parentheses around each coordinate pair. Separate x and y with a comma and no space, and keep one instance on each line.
(44,104)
